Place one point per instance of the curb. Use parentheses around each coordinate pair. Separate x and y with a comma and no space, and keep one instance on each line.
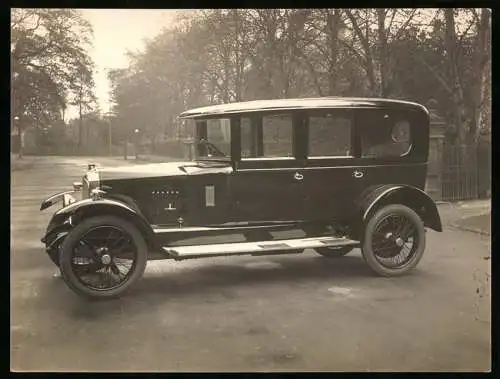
(472,230)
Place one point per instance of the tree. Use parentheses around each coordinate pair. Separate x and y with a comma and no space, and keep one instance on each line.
(48,46)
(226,55)
(480,102)
(372,31)
(82,88)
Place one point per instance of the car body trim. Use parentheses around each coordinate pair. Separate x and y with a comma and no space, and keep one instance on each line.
(319,157)
(218,228)
(328,167)
(257,159)
(277,105)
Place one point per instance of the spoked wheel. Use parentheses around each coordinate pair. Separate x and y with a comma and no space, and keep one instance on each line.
(394,240)
(102,257)
(333,252)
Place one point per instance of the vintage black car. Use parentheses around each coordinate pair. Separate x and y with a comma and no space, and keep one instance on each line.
(267,177)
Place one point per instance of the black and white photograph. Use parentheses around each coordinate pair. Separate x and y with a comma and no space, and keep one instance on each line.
(250,190)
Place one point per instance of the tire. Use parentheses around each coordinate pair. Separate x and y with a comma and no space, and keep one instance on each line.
(333,252)
(54,252)
(406,224)
(77,241)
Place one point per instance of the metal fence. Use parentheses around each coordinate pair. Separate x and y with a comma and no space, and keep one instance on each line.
(466,171)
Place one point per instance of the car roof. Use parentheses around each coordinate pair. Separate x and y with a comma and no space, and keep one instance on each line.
(295,104)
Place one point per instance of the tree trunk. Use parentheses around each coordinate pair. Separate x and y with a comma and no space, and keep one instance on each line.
(367,63)
(333,23)
(383,53)
(481,60)
(239,56)
(87,133)
(458,113)
(80,126)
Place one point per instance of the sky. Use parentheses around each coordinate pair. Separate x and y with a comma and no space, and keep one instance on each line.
(115,32)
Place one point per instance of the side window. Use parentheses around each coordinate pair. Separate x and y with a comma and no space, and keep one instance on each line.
(273,140)
(329,135)
(384,135)
(277,132)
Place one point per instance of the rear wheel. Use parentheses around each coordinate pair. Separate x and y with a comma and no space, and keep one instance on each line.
(333,252)
(394,240)
(102,257)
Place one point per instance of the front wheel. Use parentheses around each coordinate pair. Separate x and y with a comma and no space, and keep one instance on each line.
(394,240)
(102,257)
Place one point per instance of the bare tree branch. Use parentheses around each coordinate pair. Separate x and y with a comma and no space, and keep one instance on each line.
(435,73)
(405,25)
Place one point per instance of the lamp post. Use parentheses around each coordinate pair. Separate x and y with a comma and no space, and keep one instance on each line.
(136,142)
(20,145)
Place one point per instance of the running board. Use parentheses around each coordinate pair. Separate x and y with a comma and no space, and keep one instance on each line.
(262,247)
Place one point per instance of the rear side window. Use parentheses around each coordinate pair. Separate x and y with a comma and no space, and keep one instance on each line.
(384,135)
(329,136)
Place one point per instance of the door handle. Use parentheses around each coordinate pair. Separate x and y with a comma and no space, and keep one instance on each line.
(358,174)
(298,176)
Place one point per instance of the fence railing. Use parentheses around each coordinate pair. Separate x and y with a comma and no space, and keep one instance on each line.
(465,171)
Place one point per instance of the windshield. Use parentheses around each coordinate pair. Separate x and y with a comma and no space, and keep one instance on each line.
(192,140)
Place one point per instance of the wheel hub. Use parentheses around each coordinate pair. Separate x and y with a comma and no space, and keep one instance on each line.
(399,241)
(106,259)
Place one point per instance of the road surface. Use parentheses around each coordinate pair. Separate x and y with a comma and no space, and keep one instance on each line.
(286,313)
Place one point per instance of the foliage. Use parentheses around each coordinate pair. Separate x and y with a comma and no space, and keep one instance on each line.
(225,55)
(50,66)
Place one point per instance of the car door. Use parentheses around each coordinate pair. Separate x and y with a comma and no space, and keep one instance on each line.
(331,177)
(387,148)
(267,185)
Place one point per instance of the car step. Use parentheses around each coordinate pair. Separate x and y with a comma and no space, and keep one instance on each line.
(256,247)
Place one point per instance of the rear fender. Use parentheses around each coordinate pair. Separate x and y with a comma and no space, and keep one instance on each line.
(410,196)
(86,208)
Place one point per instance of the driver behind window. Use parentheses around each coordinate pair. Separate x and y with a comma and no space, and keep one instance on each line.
(217,141)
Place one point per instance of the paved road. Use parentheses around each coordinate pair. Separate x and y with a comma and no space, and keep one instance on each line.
(297,312)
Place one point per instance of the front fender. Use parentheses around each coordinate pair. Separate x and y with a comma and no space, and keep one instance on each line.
(54,199)
(58,224)
(375,197)
(85,208)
